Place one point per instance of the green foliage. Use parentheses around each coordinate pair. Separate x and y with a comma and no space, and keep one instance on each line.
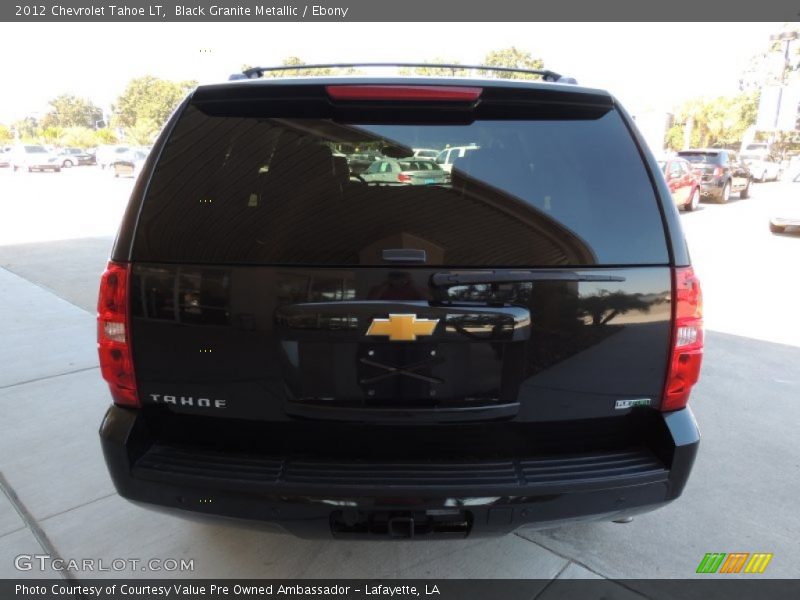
(786,143)
(293,61)
(603,307)
(716,122)
(142,133)
(71,111)
(513,58)
(149,98)
(436,71)
(51,135)
(105,136)
(80,137)
(28,128)
(770,66)
(6,137)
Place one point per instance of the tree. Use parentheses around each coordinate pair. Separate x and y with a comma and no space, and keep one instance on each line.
(5,135)
(436,71)
(71,111)
(606,305)
(294,61)
(79,137)
(714,122)
(150,98)
(27,128)
(512,58)
(105,136)
(51,135)
(142,133)
(770,66)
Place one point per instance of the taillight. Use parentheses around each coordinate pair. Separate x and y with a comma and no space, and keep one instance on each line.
(686,352)
(441,93)
(113,334)
(404,178)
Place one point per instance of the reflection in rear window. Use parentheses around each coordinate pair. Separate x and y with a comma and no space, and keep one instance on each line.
(699,157)
(288,191)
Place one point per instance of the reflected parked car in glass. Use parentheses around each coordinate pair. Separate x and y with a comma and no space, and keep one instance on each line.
(684,184)
(428,153)
(106,155)
(72,157)
(448,157)
(361,161)
(407,171)
(128,164)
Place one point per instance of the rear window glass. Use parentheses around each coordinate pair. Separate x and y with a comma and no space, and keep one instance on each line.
(701,157)
(247,190)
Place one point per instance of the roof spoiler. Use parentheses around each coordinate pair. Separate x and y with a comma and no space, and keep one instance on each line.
(546,74)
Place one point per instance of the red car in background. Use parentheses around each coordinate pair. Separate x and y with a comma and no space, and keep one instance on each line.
(683,182)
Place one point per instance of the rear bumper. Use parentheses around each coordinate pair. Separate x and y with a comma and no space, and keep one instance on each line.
(38,165)
(313,498)
(712,188)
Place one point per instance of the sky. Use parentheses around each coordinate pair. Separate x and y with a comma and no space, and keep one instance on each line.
(648,66)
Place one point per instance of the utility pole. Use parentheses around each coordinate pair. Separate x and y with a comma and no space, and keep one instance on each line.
(786,37)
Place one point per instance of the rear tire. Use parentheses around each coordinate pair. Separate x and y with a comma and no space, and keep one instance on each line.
(745,193)
(694,201)
(67,164)
(726,193)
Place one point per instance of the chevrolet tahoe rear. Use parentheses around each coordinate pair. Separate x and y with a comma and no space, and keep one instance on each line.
(286,341)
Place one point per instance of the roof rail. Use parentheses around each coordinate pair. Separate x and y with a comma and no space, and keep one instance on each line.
(257,72)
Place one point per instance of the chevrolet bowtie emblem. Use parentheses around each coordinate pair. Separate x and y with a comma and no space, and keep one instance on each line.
(402,328)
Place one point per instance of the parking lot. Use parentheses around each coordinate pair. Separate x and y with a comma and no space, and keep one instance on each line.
(55,234)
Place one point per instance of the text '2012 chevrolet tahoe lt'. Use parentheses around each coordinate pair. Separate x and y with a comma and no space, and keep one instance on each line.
(510,342)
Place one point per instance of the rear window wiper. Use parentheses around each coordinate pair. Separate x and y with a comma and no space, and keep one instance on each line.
(446,279)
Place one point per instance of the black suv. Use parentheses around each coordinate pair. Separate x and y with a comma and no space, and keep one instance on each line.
(721,173)
(287,342)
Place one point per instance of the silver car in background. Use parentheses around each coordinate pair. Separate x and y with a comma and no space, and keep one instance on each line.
(405,171)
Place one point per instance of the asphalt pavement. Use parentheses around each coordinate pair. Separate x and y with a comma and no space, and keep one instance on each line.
(56,231)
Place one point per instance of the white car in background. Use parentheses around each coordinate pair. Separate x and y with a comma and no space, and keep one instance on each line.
(448,157)
(129,163)
(787,215)
(429,153)
(763,166)
(107,155)
(32,157)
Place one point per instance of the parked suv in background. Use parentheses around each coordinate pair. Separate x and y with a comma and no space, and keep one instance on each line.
(285,342)
(721,173)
